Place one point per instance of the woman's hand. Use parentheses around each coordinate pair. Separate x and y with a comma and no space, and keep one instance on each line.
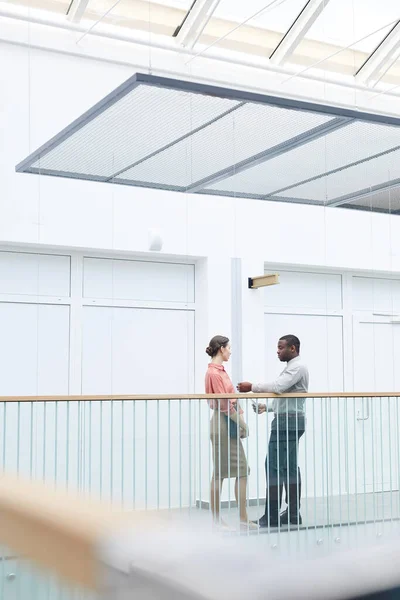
(244,432)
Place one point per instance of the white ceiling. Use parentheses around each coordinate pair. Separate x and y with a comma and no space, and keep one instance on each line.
(278,18)
(342,23)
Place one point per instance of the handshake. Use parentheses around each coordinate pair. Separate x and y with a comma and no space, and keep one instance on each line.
(244,387)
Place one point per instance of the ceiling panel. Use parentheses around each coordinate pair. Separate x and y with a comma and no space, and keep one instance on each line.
(386,201)
(362,177)
(245,132)
(278,17)
(56,6)
(357,141)
(131,129)
(138,15)
(182,4)
(342,22)
(101,6)
(186,136)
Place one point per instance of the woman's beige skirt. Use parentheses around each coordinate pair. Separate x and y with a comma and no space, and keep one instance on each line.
(228,455)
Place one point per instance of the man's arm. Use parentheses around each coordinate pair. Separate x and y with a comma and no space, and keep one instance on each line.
(282,384)
(244,387)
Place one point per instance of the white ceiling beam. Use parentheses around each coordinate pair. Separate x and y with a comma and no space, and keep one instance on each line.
(76,10)
(297,31)
(382,58)
(195,22)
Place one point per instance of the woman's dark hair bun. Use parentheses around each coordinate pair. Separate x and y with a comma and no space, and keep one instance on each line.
(217,342)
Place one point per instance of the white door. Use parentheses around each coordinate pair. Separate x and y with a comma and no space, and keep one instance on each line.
(137,351)
(375,340)
(140,452)
(34,357)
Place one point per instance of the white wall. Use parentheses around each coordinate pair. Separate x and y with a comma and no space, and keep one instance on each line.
(119,326)
(44,91)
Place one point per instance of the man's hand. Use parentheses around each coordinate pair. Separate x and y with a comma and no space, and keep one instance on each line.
(260,408)
(244,387)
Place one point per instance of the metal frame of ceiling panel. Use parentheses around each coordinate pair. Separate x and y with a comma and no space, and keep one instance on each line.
(387,184)
(349,198)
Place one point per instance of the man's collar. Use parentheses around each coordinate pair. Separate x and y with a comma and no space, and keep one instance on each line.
(294,358)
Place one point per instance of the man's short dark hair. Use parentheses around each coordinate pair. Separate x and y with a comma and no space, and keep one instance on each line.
(291,340)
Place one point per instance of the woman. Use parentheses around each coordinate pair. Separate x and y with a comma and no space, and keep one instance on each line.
(227,429)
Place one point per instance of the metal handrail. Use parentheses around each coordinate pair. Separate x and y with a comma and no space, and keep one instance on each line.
(150,397)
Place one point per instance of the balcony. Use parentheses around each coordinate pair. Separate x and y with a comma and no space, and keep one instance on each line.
(142,453)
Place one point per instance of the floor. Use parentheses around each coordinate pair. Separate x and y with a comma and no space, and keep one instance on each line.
(328,525)
(346,522)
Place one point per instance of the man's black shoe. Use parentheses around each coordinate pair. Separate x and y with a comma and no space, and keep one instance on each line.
(263,522)
(294,519)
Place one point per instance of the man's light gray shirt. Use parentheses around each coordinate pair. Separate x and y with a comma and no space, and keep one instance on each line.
(294,378)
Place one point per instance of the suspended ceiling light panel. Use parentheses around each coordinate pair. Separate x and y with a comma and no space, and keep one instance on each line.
(177,135)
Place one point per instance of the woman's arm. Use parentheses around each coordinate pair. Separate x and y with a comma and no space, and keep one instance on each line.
(226,406)
(238,419)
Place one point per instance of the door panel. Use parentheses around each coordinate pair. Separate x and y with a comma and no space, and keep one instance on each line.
(375,340)
(321,460)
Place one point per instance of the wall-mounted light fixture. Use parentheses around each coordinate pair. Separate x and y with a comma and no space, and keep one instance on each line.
(263,281)
(155,240)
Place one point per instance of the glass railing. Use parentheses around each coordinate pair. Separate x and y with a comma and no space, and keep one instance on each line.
(324,465)
(283,478)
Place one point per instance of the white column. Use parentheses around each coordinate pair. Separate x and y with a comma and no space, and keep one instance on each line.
(213,317)
(253,334)
(213,309)
(76,325)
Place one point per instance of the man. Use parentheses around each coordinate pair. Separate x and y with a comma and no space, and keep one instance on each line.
(287,427)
